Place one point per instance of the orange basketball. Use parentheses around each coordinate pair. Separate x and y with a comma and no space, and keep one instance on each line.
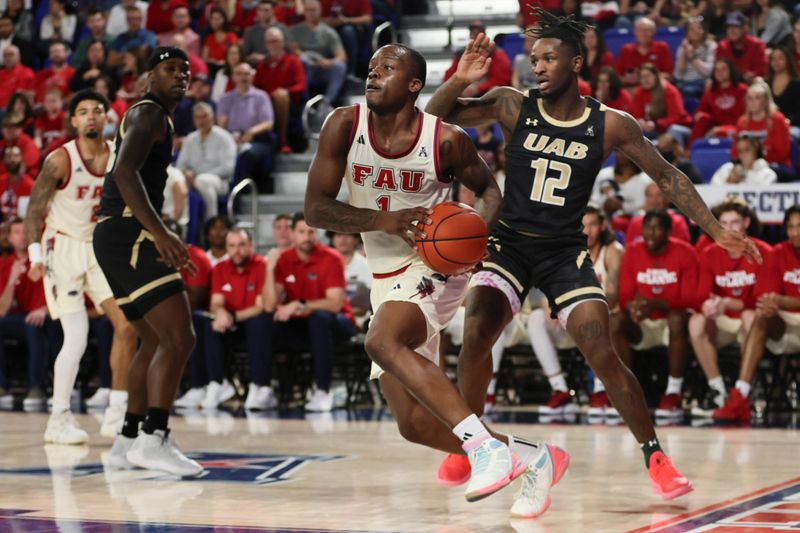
(455,240)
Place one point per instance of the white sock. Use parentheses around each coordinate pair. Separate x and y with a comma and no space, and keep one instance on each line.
(68,361)
(525,450)
(598,385)
(718,385)
(470,428)
(674,385)
(744,387)
(118,397)
(558,383)
(542,345)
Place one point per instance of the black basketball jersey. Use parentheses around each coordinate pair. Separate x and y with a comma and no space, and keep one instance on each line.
(153,172)
(551,166)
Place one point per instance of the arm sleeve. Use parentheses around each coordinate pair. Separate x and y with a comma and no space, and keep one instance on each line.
(779,139)
(665,58)
(676,113)
(768,278)
(216,280)
(260,276)
(334,274)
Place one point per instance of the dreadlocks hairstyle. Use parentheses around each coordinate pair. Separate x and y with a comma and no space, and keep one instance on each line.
(569,30)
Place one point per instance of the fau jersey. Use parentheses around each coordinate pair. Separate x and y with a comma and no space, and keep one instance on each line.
(781,273)
(391,182)
(551,166)
(73,210)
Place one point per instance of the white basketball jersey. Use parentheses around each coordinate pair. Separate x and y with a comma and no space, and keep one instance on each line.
(74,206)
(391,182)
(600,266)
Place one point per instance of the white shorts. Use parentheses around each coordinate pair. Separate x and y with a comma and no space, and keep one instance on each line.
(729,331)
(655,332)
(70,270)
(438,298)
(790,341)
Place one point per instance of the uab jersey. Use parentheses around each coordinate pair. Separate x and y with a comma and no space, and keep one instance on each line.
(551,166)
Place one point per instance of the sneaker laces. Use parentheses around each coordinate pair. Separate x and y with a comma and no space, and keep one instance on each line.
(482,458)
(527,490)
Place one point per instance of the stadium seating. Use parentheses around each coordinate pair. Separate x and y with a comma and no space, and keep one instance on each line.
(710,154)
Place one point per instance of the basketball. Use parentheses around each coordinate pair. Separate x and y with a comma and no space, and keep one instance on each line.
(455,240)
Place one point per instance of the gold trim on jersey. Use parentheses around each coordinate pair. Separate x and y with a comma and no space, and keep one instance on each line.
(508,275)
(562,123)
(144,289)
(581,258)
(579,292)
(144,234)
(122,122)
(525,233)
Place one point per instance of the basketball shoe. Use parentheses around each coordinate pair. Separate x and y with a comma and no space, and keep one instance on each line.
(99,399)
(670,405)
(599,405)
(736,408)
(113,419)
(159,452)
(118,457)
(543,473)
(192,398)
(665,479)
(560,403)
(454,470)
(493,467)
(62,428)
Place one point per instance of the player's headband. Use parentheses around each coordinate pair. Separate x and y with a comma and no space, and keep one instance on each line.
(163,53)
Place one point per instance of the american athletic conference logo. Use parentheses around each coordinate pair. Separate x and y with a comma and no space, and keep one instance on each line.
(257,469)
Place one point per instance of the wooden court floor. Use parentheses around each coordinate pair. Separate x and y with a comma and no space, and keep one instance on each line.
(351,473)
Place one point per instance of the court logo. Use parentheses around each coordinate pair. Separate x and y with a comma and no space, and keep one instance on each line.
(256,469)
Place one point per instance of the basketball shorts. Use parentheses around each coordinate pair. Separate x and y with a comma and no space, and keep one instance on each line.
(436,295)
(129,259)
(790,341)
(559,266)
(729,331)
(70,270)
(655,332)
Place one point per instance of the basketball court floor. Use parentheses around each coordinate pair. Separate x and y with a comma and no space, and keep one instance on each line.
(352,472)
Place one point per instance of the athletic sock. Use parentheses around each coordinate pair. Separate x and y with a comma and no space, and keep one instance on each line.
(744,387)
(558,383)
(525,450)
(718,385)
(156,419)
(649,448)
(76,328)
(674,385)
(130,427)
(598,385)
(118,397)
(471,428)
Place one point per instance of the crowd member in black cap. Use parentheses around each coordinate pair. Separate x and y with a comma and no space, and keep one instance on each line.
(748,53)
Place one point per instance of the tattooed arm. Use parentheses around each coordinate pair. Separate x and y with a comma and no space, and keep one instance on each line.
(54,171)
(323,210)
(624,132)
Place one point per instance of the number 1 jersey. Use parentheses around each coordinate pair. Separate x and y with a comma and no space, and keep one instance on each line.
(551,166)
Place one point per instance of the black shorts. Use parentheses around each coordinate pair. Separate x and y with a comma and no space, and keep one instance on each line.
(558,266)
(129,259)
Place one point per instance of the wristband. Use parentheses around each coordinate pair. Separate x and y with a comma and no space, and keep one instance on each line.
(35,253)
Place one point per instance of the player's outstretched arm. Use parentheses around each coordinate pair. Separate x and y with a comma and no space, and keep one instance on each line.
(460,159)
(626,134)
(323,210)
(54,170)
(500,104)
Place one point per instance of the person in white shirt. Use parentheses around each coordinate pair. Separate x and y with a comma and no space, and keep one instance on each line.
(207,158)
(751,169)
(118,20)
(620,189)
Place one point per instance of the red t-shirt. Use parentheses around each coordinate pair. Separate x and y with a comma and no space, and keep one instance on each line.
(159,19)
(622,102)
(528,18)
(287,14)
(349,8)
(729,278)
(217,49)
(499,73)
(240,289)
(781,272)
(10,193)
(673,103)
(236,22)
(671,276)
(774,135)
(50,79)
(203,277)
(724,106)
(28,296)
(51,129)
(309,280)
(658,54)
(30,153)
(288,73)
(680,230)
(752,60)
(19,78)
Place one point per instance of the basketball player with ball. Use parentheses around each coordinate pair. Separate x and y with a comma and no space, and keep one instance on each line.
(556,142)
(398,163)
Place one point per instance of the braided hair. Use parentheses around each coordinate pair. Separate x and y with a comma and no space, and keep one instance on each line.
(567,29)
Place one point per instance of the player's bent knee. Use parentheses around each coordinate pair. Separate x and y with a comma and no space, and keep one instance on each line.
(414,428)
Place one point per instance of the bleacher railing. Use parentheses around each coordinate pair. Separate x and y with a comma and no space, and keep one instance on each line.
(252,224)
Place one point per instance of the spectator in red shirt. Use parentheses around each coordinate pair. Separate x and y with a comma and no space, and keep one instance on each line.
(233,13)
(607,87)
(50,126)
(722,103)
(282,76)
(218,39)
(14,136)
(159,15)
(657,104)
(57,75)
(23,316)
(237,284)
(499,71)
(20,104)
(15,185)
(658,280)
(763,120)
(655,199)
(777,317)
(748,53)
(14,76)
(644,50)
(726,303)
(597,54)
(314,308)
(351,20)
(181,19)
(289,12)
